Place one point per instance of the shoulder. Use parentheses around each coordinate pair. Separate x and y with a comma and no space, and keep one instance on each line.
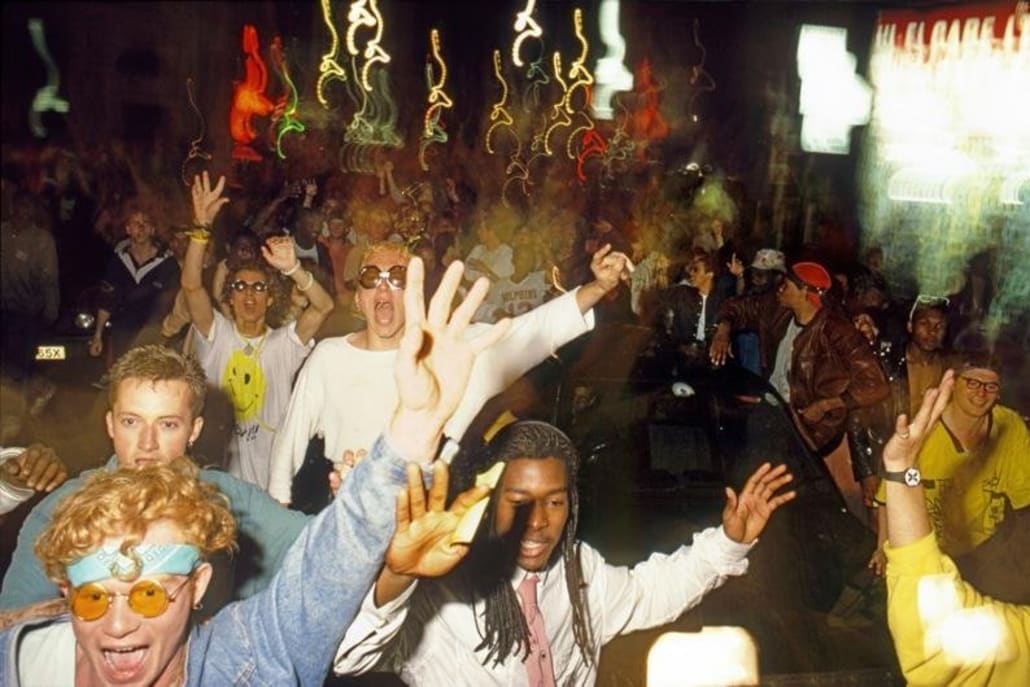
(1009,421)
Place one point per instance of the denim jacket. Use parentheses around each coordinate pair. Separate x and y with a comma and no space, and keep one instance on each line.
(265,529)
(288,633)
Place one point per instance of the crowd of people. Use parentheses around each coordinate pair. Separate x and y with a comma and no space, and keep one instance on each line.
(304,308)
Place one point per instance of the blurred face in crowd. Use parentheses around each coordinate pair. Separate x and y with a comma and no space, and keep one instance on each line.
(151,421)
(383,305)
(540,486)
(790,294)
(699,276)
(378,225)
(245,248)
(139,228)
(928,327)
(865,325)
(123,647)
(764,280)
(250,305)
(337,228)
(976,391)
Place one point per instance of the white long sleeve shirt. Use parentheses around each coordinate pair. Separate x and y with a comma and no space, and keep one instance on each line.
(346,394)
(437,641)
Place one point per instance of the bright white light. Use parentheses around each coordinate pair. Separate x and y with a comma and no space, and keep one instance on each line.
(713,657)
(610,74)
(833,97)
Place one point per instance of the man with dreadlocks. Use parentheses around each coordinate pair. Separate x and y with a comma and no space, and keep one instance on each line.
(531,604)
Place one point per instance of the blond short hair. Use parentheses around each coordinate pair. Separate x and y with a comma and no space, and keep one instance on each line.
(125,503)
(386,247)
(156,363)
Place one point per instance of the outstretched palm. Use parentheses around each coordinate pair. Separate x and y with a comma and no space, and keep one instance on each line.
(745,516)
(207,201)
(422,544)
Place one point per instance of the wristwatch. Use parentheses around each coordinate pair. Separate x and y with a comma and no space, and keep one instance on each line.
(910,477)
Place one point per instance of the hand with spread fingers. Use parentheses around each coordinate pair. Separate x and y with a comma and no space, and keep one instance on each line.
(422,545)
(434,359)
(207,201)
(903,447)
(280,252)
(746,515)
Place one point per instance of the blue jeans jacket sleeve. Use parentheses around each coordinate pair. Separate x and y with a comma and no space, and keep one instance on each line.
(288,633)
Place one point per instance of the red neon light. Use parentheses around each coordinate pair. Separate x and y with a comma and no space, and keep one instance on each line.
(248,99)
(593,144)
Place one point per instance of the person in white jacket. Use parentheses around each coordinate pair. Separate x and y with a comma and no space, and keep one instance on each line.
(345,390)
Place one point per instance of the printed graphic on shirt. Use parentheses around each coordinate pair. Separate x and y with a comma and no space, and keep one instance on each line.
(245,383)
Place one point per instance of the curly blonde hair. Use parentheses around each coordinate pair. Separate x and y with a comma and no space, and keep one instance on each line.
(125,503)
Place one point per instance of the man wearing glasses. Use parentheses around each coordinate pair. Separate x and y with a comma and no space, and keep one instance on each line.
(974,466)
(344,392)
(253,362)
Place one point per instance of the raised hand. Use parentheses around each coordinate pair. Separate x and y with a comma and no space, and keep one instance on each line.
(422,546)
(435,358)
(609,267)
(280,253)
(745,516)
(902,448)
(735,266)
(37,468)
(207,201)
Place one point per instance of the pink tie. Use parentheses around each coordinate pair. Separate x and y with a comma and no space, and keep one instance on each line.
(539,669)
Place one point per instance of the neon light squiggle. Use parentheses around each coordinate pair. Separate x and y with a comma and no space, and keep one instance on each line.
(499,115)
(559,115)
(365,13)
(46,98)
(594,145)
(526,27)
(438,101)
(194,152)
(286,122)
(329,69)
(248,98)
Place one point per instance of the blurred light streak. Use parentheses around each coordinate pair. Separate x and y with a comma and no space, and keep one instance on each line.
(499,114)
(194,153)
(329,69)
(559,116)
(288,103)
(248,99)
(833,97)
(700,79)
(46,98)
(966,636)
(610,71)
(713,657)
(366,14)
(438,100)
(525,27)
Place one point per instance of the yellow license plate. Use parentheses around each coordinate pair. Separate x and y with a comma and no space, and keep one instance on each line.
(50,353)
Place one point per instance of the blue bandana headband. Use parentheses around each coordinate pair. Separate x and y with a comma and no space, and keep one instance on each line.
(145,560)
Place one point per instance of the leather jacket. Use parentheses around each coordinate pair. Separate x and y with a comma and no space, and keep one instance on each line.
(830,359)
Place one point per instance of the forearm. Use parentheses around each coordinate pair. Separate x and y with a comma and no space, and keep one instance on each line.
(192,277)
(589,295)
(390,585)
(103,317)
(907,519)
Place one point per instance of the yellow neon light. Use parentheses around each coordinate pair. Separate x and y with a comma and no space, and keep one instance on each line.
(329,68)
(558,113)
(526,27)
(578,72)
(499,115)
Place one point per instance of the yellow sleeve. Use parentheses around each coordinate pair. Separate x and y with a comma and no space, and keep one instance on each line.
(917,641)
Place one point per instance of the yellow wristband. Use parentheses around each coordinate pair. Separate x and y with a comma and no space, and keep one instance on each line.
(199,233)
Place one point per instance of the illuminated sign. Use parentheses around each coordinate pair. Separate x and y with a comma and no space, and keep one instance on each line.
(833,97)
(946,168)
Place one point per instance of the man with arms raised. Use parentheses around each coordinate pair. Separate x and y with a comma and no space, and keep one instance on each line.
(252,361)
(157,396)
(341,393)
(130,549)
(531,604)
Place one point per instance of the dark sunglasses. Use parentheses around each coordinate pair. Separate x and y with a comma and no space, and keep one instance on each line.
(371,276)
(148,598)
(240,285)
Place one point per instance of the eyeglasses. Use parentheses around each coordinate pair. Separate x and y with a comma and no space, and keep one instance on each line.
(923,300)
(257,286)
(371,276)
(148,598)
(972,383)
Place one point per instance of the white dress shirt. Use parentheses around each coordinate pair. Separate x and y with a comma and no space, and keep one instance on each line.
(435,646)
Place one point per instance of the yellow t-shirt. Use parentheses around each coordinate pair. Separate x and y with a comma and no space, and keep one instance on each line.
(966,491)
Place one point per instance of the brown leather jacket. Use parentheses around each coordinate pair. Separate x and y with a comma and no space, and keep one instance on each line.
(830,359)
